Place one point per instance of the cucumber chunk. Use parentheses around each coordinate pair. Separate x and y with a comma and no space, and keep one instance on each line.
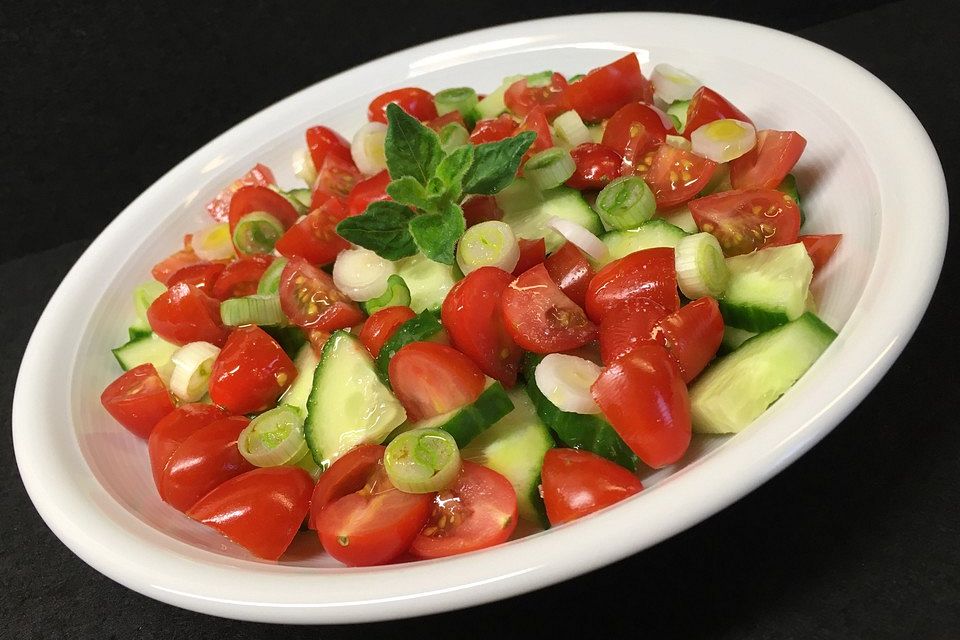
(145,349)
(298,392)
(470,421)
(580,431)
(789,187)
(653,233)
(514,447)
(681,218)
(737,388)
(492,104)
(733,338)
(396,295)
(349,404)
(427,281)
(527,210)
(422,327)
(767,288)
(143,297)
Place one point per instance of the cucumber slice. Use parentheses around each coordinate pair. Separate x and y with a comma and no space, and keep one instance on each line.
(527,210)
(423,327)
(653,233)
(290,339)
(580,431)
(681,218)
(492,104)
(348,405)
(470,421)
(148,348)
(427,281)
(143,297)
(298,392)
(396,295)
(767,288)
(514,447)
(738,388)
(789,187)
(678,113)
(733,338)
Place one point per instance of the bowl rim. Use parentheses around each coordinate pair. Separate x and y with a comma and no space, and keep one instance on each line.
(116,543)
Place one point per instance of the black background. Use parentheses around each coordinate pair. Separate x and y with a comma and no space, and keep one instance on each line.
(859,539)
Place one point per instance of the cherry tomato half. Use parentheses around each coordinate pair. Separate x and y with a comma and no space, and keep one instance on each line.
(138,399)
(768,163)
(477,511)
(493,129)
(532,253)
(536,121)
(381,325)
(259,175)
(202,275)
(310,300)
(314,237)
(164,270)
(431,379)
(692,335)
(649,273)
(251,372)
(596,166)
(183,314)
(521,98)
(645,399)
(372,189)
(477,209)
(744,221)
(348,474)
(674,175)
(601,92)
(577,483)
(633,131)
(335,177)
(173,429)
(241,277)
(471,315)
(820,248)
(635,324)
(416,102)
(323,141)
(571,270)
(707,106)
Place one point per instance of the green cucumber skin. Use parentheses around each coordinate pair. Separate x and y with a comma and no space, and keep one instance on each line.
(738,387)
(427,282)
(291,339)
(588,432)
(470,421)
(767,288)
(789,187)
(751,317)
(652,233)
(299,392)
(526,209)
(143,350)
(422,327)
(396,295)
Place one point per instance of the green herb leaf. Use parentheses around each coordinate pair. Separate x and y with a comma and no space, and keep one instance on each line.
(411,148)
(407,190)
(495,164)
(436,234)
(452,169)
(384,228)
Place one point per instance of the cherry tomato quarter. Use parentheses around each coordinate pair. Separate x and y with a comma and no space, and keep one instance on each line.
(650,273)
(251,372)
(138,400)
(578,483)
(183,314)
(431,379)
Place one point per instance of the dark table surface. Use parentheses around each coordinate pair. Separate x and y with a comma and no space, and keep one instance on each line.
(858,539)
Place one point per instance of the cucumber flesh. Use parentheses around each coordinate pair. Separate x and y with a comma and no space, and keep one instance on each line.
(514,447)
(145,349)
(349,405)
(470,421)
(579,431)
(143,297)
(396,295)
(492,104)
(680,218)
(652,233)
(298,392)
(733,338)
(737,388)
(428,282)
(767,288)
(527,210)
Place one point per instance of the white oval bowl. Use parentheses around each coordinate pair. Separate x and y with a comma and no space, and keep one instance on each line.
(90,479)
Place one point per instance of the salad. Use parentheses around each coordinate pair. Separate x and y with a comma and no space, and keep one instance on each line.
(480,311)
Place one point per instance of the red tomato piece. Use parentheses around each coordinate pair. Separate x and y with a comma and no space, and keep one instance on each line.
(571,270)
(138,400)
(255,198)
(374,525)
(707,106)
(650,273)
(185,314)
(323,141)
(521,98)
(310,300)
(381,325)
(577,483)
(173,429)
(820,248)
(204,460)
(440,122)
(202,275)
(692,335)
(635,324)
(317,338)
(163,271)
(478,511)
(348,474)
(645,400)
(372,189)
(768,163)
(471,315)
(219,207)
(596,166)
(241,277)
(601,92)
(314,237)
(335,177)
(251,371)
(633,131)
(536,121)
(674,175)
(541,318)
(477,209)
(415,101)
(493,129)
(261,510)
(431,379)
(744,221)
(532,253)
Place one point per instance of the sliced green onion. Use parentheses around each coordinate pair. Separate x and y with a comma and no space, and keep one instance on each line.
(257,232)
(625,203)
(570,129)
(269,284)
(701,270)
(213,243)
(565,380)
(576,78)
(462,99)
(549,168)
(671,84)
(192,364)
(488,244)
(396,295)
(361,274)
(308,464)
(679,142)
(256,309)
(678,113)
(422,460)
(453,135)
(143,297)
(303,166)
(596,131)
(368,148)
(540,79)
(723,140)
(274,438)
(492,105)
(581,237)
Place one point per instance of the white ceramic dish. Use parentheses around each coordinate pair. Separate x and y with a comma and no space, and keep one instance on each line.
(90,480)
